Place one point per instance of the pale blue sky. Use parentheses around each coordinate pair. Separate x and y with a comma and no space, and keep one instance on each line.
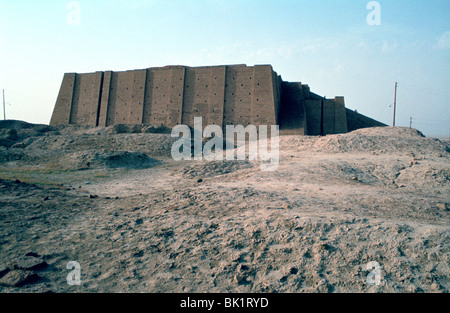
(326,44)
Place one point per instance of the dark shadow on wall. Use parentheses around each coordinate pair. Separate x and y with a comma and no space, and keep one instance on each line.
(357,121)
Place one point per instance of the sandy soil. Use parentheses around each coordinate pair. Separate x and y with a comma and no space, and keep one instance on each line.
(113,200)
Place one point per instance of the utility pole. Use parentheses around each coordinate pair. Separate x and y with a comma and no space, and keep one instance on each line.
(4,110)
(395,102)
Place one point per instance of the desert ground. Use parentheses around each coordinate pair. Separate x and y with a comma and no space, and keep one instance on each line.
(339,211)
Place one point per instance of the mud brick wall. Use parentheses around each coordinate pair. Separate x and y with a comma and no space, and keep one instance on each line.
(221,95)
(340,121)
(170,96)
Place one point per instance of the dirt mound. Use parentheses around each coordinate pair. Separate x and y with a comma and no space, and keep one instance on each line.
(429,175)
(373,140)
(105,159)
(335,205)
(82,146)
(137,128)
(214,168)
(12,131)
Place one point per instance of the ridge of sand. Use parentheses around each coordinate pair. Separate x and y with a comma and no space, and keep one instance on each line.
(142,222)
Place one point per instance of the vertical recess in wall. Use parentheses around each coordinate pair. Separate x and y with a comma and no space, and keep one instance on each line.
(147,108)
(188,99)
(104,99)
(99,101)
(176,95)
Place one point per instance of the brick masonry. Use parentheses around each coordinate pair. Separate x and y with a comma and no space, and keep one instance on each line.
(174,95)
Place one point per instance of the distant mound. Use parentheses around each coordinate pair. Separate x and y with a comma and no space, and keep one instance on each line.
(375,140)
(137,128)
(106,159)
(15,124)
(12,131)
(83,147)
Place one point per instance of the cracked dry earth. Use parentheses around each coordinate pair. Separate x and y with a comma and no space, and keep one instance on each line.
(335,205)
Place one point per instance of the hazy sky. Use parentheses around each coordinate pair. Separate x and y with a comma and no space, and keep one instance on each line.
(327,44)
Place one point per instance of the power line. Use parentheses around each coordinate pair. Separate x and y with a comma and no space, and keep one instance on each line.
(4,110)
(395,103)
